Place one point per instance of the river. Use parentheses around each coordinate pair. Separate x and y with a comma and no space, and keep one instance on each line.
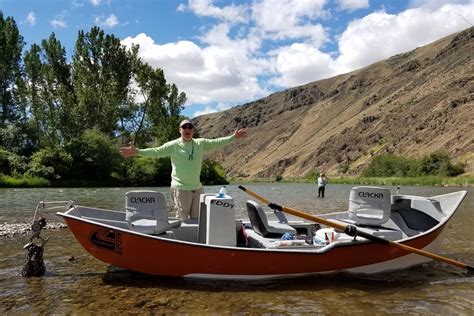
(76,283)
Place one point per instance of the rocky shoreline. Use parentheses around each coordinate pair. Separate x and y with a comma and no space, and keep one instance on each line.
(13,229)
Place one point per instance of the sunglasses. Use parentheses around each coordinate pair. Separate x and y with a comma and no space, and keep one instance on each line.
(187,126)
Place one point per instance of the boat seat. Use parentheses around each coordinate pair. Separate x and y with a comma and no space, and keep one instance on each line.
(262,226)
(147,212)
(369,206)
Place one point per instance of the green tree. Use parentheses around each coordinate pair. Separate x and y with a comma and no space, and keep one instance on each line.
(159,111)
(34,86)
(11,46)
(58,92)
(102,69)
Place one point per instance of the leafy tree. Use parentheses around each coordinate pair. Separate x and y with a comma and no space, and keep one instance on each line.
(102,70)
(58,92)
(11,45)
(33,85)
(159,111)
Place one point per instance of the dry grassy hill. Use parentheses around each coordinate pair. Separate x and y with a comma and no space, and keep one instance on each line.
(410,104)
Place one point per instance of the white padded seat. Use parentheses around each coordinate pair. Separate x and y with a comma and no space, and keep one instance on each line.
(147,212)
(369,206)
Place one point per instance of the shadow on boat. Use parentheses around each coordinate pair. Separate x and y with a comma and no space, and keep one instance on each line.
(409,278)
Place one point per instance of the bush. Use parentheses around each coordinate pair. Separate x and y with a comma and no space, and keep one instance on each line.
(439,164)
(23,182)
(94,156)
(52,164)
(141,171)
(387,166)
(18,164)
(4,161)
(434,164)
(212,173)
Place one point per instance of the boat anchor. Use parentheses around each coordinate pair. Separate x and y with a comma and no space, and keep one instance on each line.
(34,265)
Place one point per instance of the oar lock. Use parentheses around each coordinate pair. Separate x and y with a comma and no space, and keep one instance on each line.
(351,230)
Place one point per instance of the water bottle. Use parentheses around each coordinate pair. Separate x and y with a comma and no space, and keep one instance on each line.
(222,192)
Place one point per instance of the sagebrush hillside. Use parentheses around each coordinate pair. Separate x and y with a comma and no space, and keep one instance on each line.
(410,104)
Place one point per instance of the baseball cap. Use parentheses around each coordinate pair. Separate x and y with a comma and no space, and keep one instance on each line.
(185,122)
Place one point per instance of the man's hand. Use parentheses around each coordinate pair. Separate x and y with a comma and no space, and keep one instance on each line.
(240,133)
(129,151)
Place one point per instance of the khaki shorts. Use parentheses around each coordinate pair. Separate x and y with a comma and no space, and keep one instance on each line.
(186,202)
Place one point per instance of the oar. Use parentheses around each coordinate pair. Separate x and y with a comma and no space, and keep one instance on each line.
(351,230)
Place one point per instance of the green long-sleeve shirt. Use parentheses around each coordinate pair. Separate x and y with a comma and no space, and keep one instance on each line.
(186,159)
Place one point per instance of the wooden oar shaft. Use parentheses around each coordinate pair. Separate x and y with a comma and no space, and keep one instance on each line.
(343,227)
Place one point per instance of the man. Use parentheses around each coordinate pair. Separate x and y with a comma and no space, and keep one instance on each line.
(186,155)
(321,185)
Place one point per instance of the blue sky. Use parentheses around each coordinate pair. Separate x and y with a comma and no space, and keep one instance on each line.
(224,53)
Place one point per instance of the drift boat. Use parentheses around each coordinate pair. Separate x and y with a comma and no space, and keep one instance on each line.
(380,232)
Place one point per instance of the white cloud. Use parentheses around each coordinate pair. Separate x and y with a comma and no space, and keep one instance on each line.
(380,35)
(207,110)
(95,3)
(212,109)
(435,4)
(31,18)
(222,73)
(109,22)
(288,19)
(231,13)
(301,63)
(60,20)
(353,4)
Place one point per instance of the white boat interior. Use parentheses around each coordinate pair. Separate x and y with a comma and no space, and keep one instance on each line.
(372,210)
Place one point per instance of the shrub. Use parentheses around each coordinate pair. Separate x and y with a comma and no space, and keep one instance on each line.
(23,182)
(212,173)
(434,164)
(141,171)
(52,164)
(18,164)
(439,164)
(94,156)
(387,166)
(4,161)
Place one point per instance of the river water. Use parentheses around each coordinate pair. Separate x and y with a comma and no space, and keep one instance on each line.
(76,283)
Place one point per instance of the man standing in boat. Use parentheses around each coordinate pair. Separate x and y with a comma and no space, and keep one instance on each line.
(186,155)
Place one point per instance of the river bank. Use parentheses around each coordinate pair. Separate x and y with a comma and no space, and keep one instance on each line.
(459,181)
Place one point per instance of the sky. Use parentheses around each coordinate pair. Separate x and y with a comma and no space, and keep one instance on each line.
(225,53)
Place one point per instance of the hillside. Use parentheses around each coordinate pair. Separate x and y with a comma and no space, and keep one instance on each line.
(410,104)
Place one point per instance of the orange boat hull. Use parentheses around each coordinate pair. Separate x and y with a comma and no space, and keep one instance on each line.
(158,256)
